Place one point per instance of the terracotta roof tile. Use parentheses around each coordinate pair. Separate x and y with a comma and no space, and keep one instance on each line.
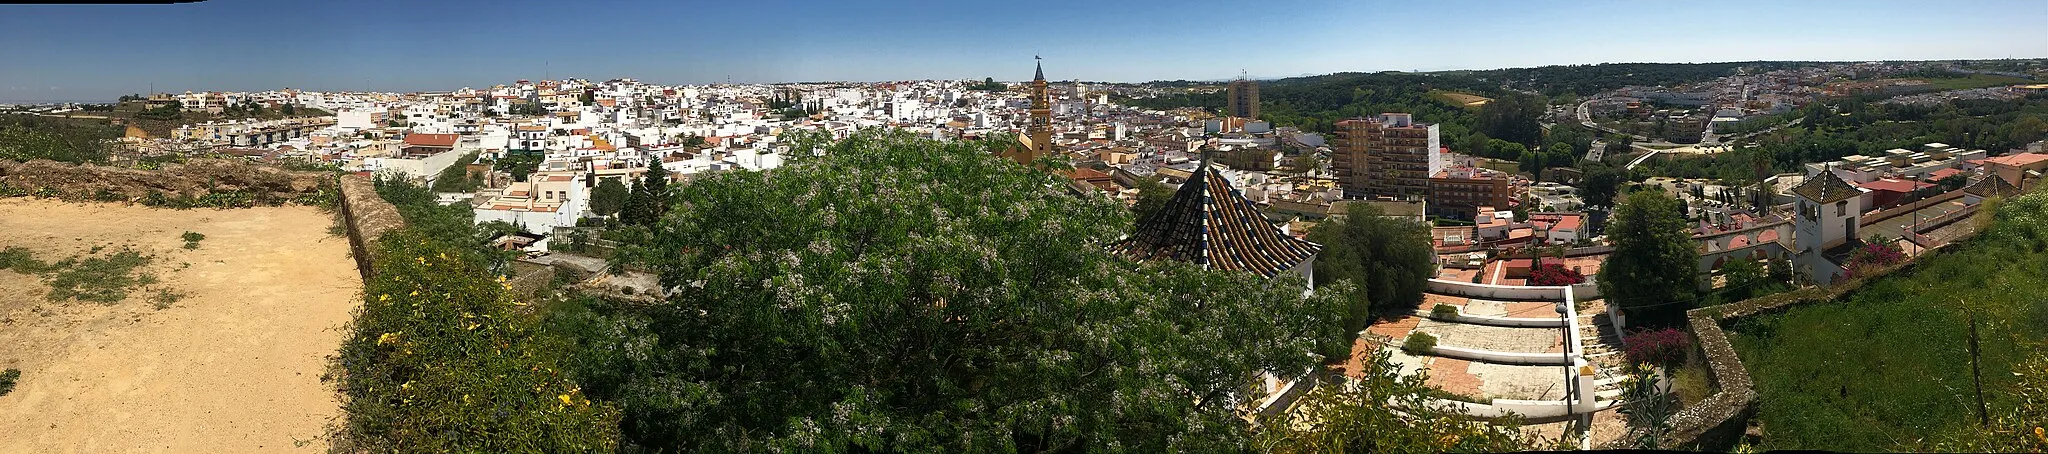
(1209,223)
(1825,187)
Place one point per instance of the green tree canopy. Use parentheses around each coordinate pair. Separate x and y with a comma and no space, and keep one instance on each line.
(1152,195)
(649,199)
(1513,118)
(609,197)
(1601,183)
(519,164)
(1652,272)
(905,294)
(1389,259)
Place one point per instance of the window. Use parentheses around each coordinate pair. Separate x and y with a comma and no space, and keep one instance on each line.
(1841,207)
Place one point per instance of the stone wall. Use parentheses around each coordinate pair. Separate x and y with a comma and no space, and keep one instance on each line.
(367,217)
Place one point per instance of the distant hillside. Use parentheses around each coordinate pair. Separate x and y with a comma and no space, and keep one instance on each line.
(1314,103)
(1584,80)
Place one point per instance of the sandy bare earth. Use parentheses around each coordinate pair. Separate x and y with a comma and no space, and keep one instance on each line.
(234,366)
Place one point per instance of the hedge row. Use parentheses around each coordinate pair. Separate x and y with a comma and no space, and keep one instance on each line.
(440,360)
(325,197)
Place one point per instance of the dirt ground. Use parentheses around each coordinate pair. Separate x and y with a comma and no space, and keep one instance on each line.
(234,366)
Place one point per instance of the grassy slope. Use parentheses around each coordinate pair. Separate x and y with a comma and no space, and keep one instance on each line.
(1889,365)
(1976,81)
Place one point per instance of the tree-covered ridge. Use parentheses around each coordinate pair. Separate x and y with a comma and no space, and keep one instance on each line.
(896,293)
(1583,80)
(1831,130)
(1316,103)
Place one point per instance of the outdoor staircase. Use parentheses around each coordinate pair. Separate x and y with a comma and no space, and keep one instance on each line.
(1603,348)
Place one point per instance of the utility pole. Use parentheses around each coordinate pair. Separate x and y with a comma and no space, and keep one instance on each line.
(1983,413)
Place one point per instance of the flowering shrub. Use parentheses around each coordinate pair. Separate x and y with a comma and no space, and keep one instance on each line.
(440,361)
(1873,254)
(1552,274)
(1662,346)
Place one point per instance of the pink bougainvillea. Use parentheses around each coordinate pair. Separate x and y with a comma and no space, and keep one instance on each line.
(1660,346)
(1552,274)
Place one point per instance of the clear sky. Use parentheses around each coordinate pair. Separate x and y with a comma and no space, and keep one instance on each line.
(98,52)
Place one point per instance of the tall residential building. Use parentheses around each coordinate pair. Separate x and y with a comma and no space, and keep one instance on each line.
(1243,97)
(1388,156)
(1460,191)
(1037,140)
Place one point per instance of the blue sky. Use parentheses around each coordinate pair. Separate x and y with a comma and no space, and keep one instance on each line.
(98,52)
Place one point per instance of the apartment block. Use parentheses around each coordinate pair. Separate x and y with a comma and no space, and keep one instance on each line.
(1388,156)
(1460,191)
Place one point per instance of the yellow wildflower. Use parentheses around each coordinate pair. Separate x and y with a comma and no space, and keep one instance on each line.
(384,297)
(2041,433)
(387,339)
(565,399)
(472,327)
(421,259)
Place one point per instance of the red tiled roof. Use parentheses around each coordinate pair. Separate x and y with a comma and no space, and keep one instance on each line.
(1944,173)
(431,140)
(1568,222)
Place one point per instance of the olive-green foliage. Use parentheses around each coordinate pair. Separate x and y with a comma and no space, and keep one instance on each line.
(1748,279)
(26,137)
(1419,343)
(1652,272)
(649,199)
(7,379)
(904,294)
(1888,366)
(21,260)
(457,178)
(1443,311)
(519,164)
(1389,259)
(192,239)
(100,279)
(1152,195)
(416,204)
(441,359)
(1389,412)
(609,197)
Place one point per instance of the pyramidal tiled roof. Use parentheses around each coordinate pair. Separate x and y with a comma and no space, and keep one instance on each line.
(1825,187)
(1992,185)
(1210,223)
